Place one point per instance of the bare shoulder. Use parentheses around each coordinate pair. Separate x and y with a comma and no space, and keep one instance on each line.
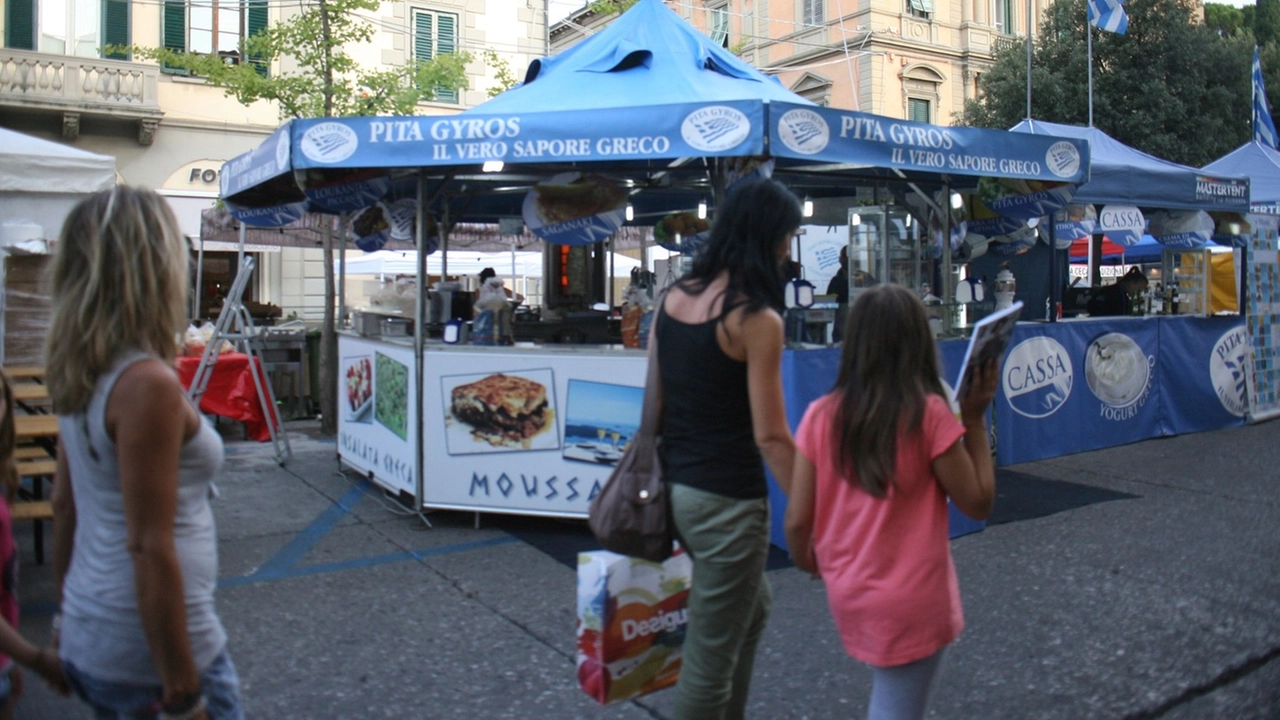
(146,390)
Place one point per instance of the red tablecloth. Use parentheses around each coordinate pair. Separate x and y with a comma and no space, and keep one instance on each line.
(230,392)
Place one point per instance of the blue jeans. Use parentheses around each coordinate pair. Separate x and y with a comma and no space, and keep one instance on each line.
(121,701)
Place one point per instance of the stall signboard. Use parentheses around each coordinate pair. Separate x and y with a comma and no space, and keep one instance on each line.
(376,411)
(811,133)
(1263,317)
(728,128)
(533,433)
(1122,224)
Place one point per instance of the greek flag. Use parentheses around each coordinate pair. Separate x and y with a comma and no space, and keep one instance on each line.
(1108,15)
(1264,129)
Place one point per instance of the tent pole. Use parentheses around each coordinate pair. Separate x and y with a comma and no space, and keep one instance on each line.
(195,310)
(419,346)
(1030,24)
(1088,31)
(342,268)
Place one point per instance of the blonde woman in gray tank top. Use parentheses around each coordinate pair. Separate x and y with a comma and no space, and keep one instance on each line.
(135,551)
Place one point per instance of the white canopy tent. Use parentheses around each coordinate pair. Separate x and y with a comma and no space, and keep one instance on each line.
(40,181)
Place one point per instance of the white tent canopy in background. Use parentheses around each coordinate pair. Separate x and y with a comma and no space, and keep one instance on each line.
(40,181)
(462,262)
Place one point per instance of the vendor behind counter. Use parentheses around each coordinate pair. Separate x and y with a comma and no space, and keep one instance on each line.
(1118,298)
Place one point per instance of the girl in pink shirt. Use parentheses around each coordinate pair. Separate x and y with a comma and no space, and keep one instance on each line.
(878,457)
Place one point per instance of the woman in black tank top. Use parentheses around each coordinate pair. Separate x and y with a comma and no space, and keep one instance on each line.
(720,341)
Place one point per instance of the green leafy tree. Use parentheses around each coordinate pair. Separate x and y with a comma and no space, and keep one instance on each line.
(503,73)
(1266,22)
(317,77)
(1226,20)
(321,78)
(1170,87)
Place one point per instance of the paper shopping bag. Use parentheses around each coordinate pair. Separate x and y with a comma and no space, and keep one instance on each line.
(632,616)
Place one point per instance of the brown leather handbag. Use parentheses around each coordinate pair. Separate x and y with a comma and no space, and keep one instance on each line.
(630,516)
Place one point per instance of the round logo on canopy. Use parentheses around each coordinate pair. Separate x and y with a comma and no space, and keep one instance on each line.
(1038,377)
(804,131)
(1063,159)
(1227,369)
(1122,224)
(329,142)
(282,152)
(715,129)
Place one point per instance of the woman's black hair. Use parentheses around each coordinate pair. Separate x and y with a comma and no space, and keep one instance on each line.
(750,225)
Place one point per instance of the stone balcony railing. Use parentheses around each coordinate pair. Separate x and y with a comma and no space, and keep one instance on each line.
(114,89)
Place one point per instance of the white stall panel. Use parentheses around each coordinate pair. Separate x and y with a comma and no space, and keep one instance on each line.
(376,414)
(532,433)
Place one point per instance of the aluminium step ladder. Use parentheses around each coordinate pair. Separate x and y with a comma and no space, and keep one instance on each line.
(236,326)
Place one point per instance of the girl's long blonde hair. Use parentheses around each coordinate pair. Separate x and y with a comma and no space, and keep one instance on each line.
(118,281)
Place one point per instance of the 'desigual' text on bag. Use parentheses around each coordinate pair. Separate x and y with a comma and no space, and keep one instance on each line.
(632,616)
(629,516)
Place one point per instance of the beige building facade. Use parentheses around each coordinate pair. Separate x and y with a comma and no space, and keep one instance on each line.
(911,59)
(173,132)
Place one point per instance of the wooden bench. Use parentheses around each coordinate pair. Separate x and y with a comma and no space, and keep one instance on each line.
(24,372)
(36,508)
(32,510)
(29,452)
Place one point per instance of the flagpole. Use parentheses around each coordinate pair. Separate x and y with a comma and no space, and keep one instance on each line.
(1030,25)
(1088,30)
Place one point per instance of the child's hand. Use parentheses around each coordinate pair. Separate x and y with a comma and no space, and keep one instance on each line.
(983,382)
(49,667)
(807,561)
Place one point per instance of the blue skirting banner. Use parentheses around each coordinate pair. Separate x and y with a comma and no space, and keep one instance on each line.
(1202,373)
(1077,386)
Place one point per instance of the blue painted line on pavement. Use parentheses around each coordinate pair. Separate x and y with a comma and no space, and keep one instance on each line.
(289,555)
(294,572)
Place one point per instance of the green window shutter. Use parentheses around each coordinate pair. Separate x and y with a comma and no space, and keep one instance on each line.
(918,110)
(256,23)
(20,24)
(447,43)
(115,26)
(423,36)
(173,33)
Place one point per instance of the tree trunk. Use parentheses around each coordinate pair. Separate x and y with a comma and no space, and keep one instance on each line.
(328,345)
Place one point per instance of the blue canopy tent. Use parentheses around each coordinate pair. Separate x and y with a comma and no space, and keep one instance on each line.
(1120,174)
(1261,165)
(649,100)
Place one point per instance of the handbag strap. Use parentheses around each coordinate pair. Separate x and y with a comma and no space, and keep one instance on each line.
(651,409)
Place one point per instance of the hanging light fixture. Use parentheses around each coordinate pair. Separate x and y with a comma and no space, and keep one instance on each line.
(807,209)
(702,209)
(492,166)
(856,219)
(957,202)
(631,213)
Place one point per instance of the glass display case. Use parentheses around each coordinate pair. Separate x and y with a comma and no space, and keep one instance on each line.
(1185,273)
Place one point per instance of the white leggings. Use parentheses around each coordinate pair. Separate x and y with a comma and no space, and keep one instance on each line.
(903,692)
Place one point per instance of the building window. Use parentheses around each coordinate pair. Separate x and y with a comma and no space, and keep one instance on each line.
(66,27)
(435,34)
(1004,16)
(918,110)
(718,23)
(213,26)
(920,8)
(813,12)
